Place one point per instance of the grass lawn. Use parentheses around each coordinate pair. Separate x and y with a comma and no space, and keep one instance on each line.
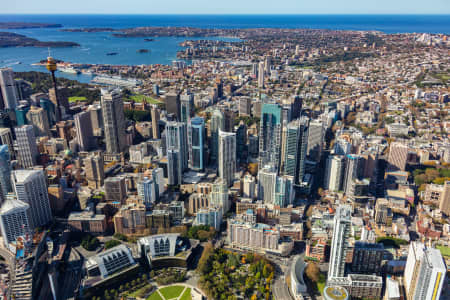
(155,296)
(142,291)
(445,251)
(172,291)
(140,98)
(321,283)
(76,99)
(186,295)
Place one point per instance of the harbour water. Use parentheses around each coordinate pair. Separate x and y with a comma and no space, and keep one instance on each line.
(95,46)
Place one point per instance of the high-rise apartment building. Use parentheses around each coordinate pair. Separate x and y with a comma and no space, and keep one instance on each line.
(267,178)
(227,156)
(334,172)
(114,121)
(398,156)
(248,188)
(27,150)
(270,136)
(14,220)
(196,142)
(217,123)
(424,273)
(5,171)
(315,140)
(218,197)
(37,117)
(30,186)
(8,88)
(339,245)
(147,190)
(83,127)
(95,172)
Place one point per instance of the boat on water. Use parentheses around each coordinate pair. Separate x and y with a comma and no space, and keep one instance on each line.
(69,70)
(111,53)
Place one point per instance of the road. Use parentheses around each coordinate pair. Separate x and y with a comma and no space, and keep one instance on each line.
(9,257)
(72,276)
(280,288)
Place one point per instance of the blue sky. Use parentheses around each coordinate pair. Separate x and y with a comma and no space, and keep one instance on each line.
(226,6)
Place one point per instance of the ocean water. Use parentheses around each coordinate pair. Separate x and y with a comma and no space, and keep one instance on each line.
(94,46)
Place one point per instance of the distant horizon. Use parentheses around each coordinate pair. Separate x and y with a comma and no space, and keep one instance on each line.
(227,14)
(229,7)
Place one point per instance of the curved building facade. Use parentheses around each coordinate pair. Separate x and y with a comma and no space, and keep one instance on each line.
(298,286)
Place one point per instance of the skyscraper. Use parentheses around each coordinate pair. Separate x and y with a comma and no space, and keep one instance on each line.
(186,107)
(173,104)
(96,117)
(30,186)
(217,123)
(270,136)
(424,273)
(174,167)
(8,88)
(315,140)
(14,220)
(114,120)
(37,117)
(334,172)
(49,109)
(26,146)
(5,171)
(155,122)
(83,127)
(398,156)
(261,75)
(284,191)
(176,140)
(196,142)
(353,170)
(295,141)
(339,245)
(227,156)
(241,142)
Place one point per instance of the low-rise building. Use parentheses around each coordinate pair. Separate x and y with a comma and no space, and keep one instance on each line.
(88,221)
